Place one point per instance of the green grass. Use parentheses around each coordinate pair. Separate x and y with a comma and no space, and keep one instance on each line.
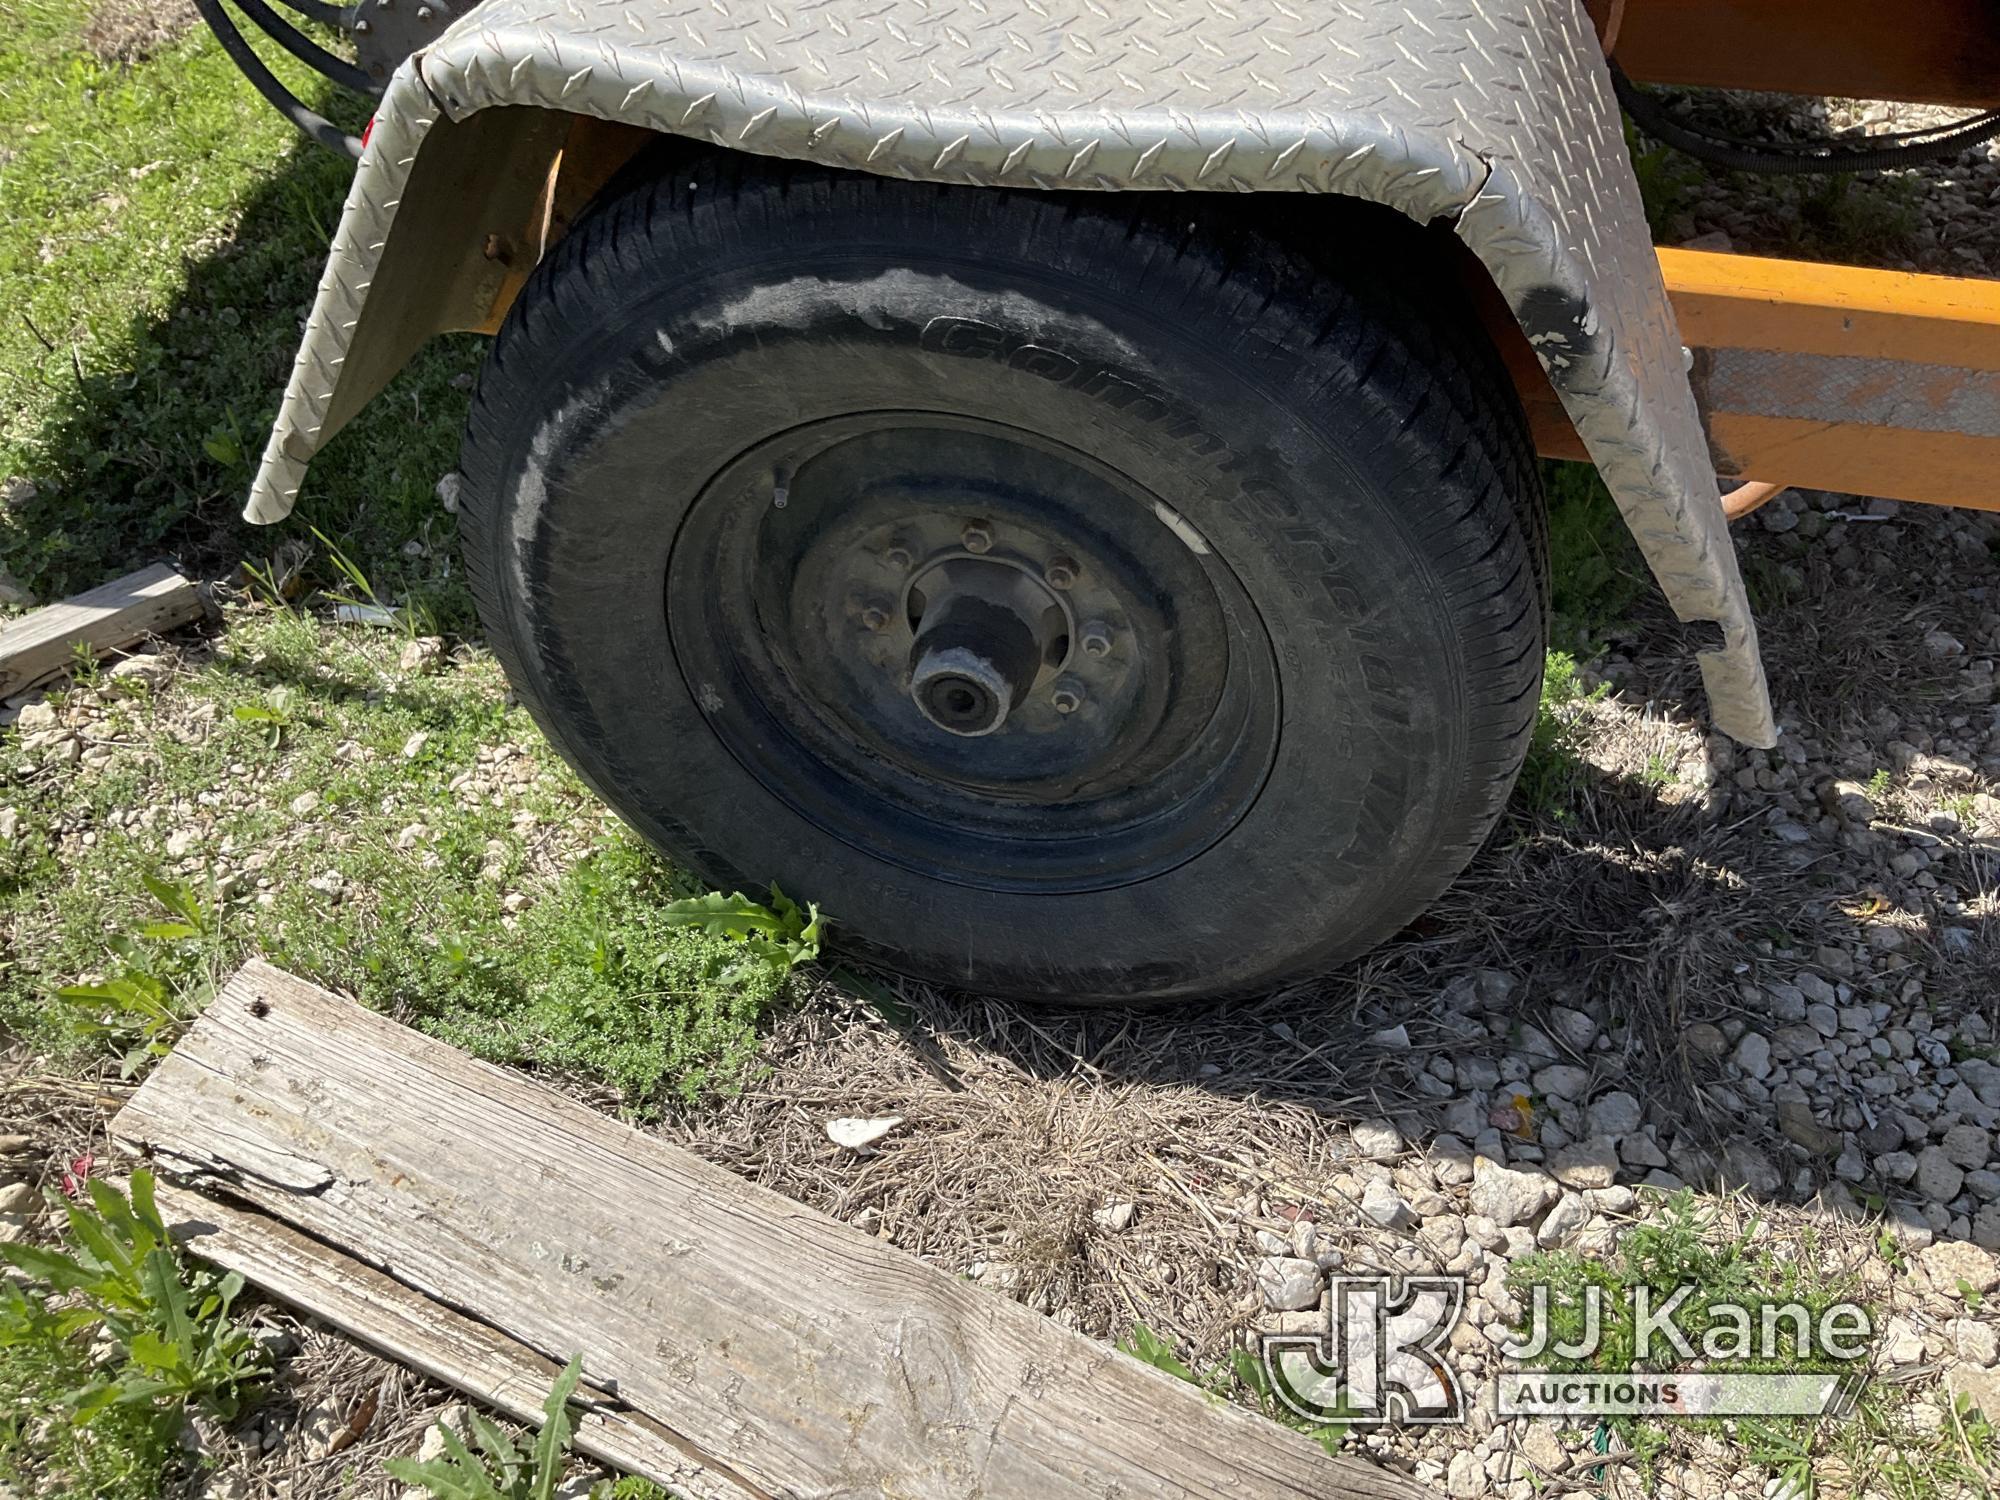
(1687,1245)
(1596,574)
(161,234)
(1846,218)
(475,888)
(1666,178)
(1553,774)
(1596,577)
(123,1452)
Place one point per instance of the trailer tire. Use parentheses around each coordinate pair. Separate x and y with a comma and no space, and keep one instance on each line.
(1239,547)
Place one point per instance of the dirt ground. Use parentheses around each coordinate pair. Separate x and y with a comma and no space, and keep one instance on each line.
(130,31)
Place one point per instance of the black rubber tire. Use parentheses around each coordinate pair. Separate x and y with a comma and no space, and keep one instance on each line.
(1373,489)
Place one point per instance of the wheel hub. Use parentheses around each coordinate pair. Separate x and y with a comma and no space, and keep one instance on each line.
(985,630)
(971,651)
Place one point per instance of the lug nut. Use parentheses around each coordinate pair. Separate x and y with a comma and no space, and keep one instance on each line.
(874,616)
(1095,638)
(977,536)
(1061,571)
(1067,698)
(898,556)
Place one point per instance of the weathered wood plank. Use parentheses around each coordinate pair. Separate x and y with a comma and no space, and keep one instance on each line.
(114,614)
(781,1346)
(415,1331)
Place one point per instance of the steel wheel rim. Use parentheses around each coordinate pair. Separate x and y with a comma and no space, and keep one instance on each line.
(797,592)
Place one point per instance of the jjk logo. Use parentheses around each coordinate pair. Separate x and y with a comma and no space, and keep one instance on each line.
(1383,1355)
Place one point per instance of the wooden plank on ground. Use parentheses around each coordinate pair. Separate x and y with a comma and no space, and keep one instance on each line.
(782,1349)
(115,614)
(413,1330)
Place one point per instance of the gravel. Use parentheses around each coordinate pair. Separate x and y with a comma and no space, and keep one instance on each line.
(1377,1140)
(1288,1284)
(1507,1195)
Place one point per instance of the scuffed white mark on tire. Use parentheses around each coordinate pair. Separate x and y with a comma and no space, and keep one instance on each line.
(1181,527)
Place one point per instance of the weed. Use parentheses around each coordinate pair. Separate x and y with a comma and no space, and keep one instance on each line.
(1683,1249)
(272,715)
(120,1335)
(606,976)
(1887,1450)
(350,572)
(414,618)
(271,581)
(1244,1379)
(501,1469)
(775,938)
(1878,786)
(85,670)
(166,974)
(224,442)
(483,894)
(1149,1348)
(1553,773)
(1679,1249)
(1771,583)
(1658,772)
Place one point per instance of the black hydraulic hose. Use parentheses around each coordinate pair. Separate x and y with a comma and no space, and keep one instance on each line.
(326,15)
(261,78)
(1907,148)
(307,51)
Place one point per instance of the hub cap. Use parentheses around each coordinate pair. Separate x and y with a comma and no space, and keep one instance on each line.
(971,652)
(985,630)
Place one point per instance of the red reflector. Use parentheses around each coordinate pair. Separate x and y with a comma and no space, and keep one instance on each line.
(367,130)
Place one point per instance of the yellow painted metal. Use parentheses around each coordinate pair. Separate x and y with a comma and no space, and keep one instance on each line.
(1842,378)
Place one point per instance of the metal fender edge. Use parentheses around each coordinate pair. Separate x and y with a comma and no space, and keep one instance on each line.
(1496,117)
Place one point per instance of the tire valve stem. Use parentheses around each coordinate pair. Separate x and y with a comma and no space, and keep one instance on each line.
(781,488)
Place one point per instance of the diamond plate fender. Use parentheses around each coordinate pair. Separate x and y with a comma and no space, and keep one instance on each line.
(1495,115)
